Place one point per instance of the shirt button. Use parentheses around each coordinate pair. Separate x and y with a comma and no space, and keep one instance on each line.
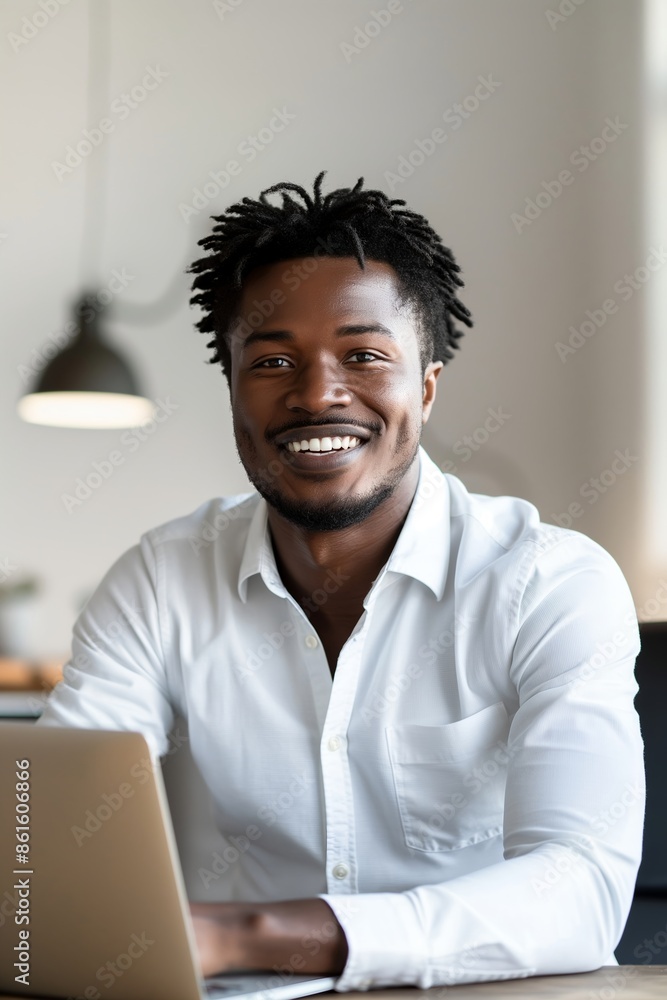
(341,871)
(311,641)
(334,743)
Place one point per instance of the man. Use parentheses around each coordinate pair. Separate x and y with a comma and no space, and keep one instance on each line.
(412,705)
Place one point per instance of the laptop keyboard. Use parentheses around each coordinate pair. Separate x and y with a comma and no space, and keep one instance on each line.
(267,984)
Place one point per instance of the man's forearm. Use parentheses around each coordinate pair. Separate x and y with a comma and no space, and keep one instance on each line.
(292,937)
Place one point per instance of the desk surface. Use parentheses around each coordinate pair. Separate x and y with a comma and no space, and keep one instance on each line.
(611,982)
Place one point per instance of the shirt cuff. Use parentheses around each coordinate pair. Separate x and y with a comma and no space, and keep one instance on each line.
(385,944)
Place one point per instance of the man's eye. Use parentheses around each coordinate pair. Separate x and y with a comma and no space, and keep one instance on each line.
(366,354)
(261,364)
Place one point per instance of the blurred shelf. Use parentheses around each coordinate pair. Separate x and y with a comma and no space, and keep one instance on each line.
(22,704)
(18,676)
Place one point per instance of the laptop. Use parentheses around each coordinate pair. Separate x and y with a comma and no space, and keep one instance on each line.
(92,898)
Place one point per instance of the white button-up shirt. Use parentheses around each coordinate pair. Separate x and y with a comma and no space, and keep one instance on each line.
(466,793)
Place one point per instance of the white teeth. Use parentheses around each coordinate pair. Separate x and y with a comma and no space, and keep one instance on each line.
(324,444)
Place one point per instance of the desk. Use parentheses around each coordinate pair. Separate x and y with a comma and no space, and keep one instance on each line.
(611,982)
(25,686)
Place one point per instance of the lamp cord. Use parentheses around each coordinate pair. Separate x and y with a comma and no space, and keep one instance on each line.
(95,182)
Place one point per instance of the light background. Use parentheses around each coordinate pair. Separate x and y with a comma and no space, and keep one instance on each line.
(356,114)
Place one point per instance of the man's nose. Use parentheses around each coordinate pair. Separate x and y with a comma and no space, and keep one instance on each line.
(318,385)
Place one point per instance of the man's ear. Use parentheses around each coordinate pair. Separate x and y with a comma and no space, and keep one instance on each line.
(430,378)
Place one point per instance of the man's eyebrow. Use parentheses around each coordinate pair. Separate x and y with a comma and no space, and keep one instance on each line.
(350,330)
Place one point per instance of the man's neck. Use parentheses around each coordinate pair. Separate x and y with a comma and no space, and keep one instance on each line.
(330,572)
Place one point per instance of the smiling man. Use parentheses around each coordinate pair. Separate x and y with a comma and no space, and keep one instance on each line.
(411,704)
(329,434)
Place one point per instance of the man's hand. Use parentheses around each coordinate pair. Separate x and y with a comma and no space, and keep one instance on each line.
(297,936)
(221,930)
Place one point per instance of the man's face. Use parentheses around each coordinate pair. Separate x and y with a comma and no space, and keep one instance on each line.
(336,357)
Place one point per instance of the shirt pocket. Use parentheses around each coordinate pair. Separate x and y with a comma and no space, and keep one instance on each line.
(450,780)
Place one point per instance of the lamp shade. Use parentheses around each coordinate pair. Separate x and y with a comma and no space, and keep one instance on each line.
(88,383)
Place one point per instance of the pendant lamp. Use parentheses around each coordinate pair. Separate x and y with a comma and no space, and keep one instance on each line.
(90,383)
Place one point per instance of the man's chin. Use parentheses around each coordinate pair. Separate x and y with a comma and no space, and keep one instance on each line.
(334,515)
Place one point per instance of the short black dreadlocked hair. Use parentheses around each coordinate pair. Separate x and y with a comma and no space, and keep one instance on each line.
(347,222)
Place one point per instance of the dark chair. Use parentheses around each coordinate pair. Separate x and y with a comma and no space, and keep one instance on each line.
(644,940)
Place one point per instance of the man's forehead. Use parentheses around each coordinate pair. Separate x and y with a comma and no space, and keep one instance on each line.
(332,284)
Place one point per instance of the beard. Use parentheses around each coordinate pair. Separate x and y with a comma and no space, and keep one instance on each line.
(335,514)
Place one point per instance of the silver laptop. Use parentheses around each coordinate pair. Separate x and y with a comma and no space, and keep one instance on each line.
(92,899)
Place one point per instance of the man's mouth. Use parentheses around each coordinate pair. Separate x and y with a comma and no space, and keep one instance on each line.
(316,445)
(323,454)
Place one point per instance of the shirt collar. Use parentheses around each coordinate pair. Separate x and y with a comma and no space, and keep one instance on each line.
(421,550)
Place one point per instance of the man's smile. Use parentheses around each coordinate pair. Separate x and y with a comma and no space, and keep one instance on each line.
(321,447)
(318,445)
(322,453)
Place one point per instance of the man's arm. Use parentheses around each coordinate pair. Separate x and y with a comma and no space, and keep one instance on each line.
(115,677)
(295,937)
(573,810)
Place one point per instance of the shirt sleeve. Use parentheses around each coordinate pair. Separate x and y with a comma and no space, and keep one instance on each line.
(115,678)
(574,802)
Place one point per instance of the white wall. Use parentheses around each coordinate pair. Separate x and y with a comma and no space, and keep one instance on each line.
(558,84)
